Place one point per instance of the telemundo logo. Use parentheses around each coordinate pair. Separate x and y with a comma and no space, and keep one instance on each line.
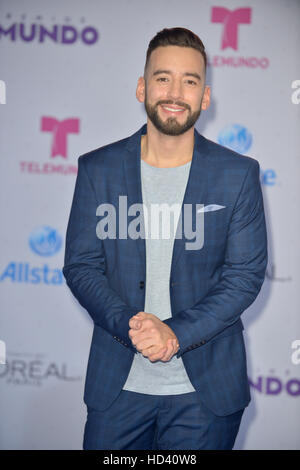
(45,241)
(235,137)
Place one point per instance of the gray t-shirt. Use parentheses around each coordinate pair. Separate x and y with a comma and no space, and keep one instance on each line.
(160,186)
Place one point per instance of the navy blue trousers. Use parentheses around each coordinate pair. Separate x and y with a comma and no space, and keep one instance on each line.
(137,421)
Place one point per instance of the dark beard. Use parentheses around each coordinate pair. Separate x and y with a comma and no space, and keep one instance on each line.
(170,126)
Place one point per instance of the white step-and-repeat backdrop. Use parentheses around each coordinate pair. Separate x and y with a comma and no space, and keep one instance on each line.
(68,74)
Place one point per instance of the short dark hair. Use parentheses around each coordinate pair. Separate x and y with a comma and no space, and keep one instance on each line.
(181,37)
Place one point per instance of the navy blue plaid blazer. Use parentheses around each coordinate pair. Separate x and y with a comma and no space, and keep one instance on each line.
(209,288)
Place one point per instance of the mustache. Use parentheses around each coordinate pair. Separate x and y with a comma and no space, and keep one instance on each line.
(176,103)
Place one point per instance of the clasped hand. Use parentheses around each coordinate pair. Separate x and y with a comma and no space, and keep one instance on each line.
(153,338)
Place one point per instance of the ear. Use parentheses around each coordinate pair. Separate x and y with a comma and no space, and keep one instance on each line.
(206,98)
(140,90)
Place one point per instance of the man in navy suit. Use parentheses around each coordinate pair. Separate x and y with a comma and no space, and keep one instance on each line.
(167,365)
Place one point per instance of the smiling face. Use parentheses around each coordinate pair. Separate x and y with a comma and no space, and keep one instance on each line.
(174,91)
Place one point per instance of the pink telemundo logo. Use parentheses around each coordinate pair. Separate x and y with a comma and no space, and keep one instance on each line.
(230,21)
(60,130)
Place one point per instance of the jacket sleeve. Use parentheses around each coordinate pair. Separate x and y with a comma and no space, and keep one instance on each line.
(85,264)
(242,273)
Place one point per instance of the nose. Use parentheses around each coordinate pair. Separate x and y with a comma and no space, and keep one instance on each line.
(175,90)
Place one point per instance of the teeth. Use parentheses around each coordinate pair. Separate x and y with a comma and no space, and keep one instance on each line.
(174,110)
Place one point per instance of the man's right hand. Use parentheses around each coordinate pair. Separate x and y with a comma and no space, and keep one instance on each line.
(165,353)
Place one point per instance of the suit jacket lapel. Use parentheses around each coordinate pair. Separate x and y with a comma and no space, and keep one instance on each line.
(195,192)
(132,169)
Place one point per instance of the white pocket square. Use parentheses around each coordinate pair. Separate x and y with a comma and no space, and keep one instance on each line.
(211,207)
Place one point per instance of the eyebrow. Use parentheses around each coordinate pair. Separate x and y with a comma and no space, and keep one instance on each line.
(186,74)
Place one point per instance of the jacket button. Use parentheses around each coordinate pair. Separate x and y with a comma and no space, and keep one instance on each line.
(142,284)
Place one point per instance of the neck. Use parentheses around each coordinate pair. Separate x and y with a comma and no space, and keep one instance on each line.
(166,151)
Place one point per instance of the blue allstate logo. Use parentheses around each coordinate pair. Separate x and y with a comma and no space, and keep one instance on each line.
(235,137)
(45,241)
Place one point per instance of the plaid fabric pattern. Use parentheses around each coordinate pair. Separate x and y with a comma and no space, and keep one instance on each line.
(209,288)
